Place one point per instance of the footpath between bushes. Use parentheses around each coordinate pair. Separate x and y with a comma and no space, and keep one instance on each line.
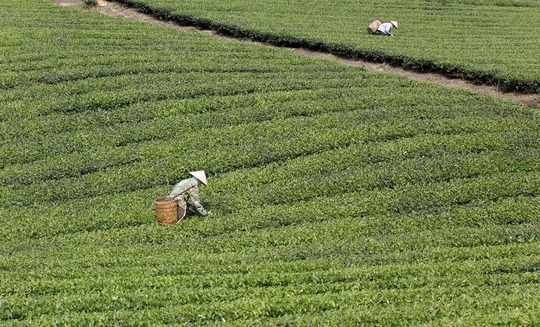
(129,10)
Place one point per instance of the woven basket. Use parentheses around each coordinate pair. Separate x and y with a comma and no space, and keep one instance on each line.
(372,28)
(166,210)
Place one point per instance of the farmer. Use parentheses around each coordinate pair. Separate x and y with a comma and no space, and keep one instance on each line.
(386,28)
(186,192)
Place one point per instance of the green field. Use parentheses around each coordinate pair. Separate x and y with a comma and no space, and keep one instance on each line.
(483,40)
(342,197)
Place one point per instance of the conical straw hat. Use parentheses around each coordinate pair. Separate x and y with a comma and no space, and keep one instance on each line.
(200,175)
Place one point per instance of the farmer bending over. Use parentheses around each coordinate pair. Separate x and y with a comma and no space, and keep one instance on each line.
(386,28)
(186,192)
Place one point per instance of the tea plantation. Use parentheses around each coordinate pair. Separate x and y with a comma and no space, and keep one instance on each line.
(491,41)
(342,197)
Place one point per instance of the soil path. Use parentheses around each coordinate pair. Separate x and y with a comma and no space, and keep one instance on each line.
(116,10)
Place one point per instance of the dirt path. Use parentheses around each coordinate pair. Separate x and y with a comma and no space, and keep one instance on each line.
(117,10)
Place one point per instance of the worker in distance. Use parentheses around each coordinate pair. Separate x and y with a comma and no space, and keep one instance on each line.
(186,193)
(386,28)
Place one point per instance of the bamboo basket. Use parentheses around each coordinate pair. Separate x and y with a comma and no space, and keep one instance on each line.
(373,26)
(167,211)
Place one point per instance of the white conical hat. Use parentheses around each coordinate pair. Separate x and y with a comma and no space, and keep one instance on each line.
(393,22)
(200,175)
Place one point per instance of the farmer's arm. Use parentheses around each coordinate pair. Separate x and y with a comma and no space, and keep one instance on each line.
(195,201)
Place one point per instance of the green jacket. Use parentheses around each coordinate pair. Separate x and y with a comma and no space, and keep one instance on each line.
(190,195)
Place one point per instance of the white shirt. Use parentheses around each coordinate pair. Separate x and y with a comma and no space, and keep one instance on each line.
(386,28)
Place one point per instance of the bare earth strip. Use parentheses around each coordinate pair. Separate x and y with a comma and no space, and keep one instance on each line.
(117,10)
